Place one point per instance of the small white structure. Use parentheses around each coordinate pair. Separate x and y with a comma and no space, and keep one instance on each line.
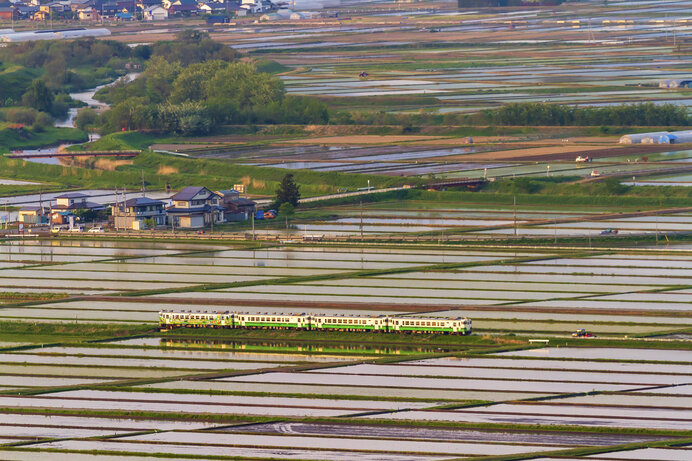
(304,15)
(155,13)
(54,35)
(658,137)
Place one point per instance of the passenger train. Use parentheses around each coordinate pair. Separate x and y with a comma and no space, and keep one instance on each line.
(384,324)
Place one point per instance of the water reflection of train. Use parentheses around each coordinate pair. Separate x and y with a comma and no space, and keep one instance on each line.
(383,323)
(290,347)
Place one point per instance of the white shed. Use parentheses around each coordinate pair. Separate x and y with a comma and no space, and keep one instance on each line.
(658,137)
(156,13)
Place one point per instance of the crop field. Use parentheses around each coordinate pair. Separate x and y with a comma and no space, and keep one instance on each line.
(433,60)
(88,373)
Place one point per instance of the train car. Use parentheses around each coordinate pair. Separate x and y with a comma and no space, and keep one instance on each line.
(197,319)
(348,323)
(190,319)
(272,321)
(430,325)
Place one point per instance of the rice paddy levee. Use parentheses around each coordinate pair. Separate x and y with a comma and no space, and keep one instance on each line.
(85,369)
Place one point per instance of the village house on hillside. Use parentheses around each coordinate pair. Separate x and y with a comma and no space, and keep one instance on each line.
(34,215)
(236,208)
(76,201)
(139,213)
(195,207)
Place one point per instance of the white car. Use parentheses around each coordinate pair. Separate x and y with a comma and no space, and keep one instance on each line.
(77,229)
(97,230)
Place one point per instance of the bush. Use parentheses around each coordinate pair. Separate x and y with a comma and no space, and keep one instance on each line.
(42,121)
(23,115)
(86,118)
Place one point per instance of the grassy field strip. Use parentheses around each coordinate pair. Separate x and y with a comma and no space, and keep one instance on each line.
(416,250)
(614,261)
(128,362)
(324,444)
(114,258)
(275,263)
(630,400)
(182,354)
(591,270)
(459,283)
(606,353)
(206,269)
(610,306)
(30,371)
(512,413)
(58,283)
(365,254)
(472,296)
(117,448)
(502,362)
(121,276)
(346,392)
(362,273)
(75,316)
(582,280)
(585,453)
(497,374)
(462,384)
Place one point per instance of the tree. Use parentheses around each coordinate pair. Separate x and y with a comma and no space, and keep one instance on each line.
(286,209)
(38,96)
(288,191)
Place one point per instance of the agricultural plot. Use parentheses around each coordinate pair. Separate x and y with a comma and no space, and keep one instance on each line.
(86,376)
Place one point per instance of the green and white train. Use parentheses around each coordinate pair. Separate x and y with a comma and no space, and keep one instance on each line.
(383,323)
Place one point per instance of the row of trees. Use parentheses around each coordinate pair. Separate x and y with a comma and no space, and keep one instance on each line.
(192,98)
(642,114)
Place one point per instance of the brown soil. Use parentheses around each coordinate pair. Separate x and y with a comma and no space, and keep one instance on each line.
(361,139)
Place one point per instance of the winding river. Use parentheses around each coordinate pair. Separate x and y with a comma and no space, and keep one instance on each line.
(86,97)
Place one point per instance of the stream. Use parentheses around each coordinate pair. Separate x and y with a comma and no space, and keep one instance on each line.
(100,196)
(86,97)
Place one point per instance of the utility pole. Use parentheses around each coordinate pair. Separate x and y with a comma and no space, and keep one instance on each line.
(515,216)
(116,210)
(143,189)
(361,218)
(253,225)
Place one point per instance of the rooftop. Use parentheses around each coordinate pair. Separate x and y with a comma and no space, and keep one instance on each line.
(72,195)
(188,193)
(142,201)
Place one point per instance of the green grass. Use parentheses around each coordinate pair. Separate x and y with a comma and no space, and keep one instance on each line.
(43,332)
(11,139)
(581,196)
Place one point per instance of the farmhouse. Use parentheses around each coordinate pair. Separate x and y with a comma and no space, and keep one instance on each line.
(34,215)
(76,201)
(236,208)
(195,207)
(137,213)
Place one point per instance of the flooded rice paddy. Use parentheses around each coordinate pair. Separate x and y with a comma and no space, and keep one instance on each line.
(247,380)
(615,354)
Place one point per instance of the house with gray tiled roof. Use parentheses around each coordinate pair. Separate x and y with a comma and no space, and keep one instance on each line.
(195,207)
